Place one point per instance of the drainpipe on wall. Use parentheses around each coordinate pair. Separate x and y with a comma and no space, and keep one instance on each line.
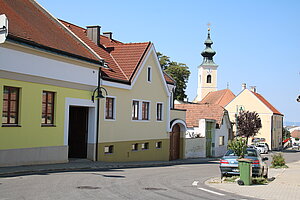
(98,114)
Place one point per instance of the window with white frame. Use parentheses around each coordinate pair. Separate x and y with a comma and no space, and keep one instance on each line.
(149,74)
(159,111)
(145,110)
(110,108)
(135,110)
(221,141)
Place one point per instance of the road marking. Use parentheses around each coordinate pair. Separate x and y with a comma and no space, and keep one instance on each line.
(213,192)
(195,183)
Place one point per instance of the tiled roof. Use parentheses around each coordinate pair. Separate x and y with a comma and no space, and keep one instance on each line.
(123,59)
(169,79)
(270,106)
(220,97)
(295,133)
(201,111)
(31,24)
(115,70)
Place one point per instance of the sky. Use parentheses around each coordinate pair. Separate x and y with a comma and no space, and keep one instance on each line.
(257,41)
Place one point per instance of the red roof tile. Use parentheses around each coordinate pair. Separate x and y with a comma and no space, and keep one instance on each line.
(123,59)
(270,106)
(169,79)
(30,23)
(201,111)
(220,97)
(295,133)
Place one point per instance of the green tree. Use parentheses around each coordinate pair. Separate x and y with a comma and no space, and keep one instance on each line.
(286,133)
(178,71)
(248,124)
(238,145)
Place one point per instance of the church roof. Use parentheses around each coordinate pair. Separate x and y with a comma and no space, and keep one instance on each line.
(220,97)
(197,111)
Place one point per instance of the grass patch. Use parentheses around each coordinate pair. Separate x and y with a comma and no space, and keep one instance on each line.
(231,179)
(259,181)
(279,167)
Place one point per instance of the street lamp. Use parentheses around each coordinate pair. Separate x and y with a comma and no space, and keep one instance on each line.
(99,94)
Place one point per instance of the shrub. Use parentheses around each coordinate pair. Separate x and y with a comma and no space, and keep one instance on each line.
(238,146)
(278,160)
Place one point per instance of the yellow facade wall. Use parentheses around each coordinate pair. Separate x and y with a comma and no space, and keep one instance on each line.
(30,133)
(250,102)
(126,129)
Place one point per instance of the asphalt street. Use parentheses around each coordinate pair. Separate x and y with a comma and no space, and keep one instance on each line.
(170,182)
(182,181)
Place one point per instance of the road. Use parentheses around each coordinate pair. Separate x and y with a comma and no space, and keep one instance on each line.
(171,182)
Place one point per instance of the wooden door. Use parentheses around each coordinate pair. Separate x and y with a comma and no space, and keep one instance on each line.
(78,132)
(175,143)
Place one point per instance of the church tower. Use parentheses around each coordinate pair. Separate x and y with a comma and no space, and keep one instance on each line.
(207,71)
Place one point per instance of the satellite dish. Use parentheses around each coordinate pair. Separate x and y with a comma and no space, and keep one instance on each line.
(3,28)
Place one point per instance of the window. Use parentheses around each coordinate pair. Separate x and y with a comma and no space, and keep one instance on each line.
(145,110)
(158,145)
(221,140)
(208,80)
(149,74)
(159,111)
(145,145)
(48,108)
(135,147)
(10,105)
(110,108)
(109,149)
(135,110)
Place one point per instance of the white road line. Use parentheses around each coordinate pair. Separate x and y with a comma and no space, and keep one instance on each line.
(195,183)
(206,190)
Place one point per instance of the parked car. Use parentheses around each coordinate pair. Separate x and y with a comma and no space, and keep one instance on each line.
(262,148)
(229,163)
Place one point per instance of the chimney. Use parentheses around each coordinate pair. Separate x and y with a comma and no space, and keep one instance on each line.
(108,34)
(244,86)
(93,33)
(253,89)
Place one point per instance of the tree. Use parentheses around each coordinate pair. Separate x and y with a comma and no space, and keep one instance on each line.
(238,145)
(248,124)
(178,71)
(286,133)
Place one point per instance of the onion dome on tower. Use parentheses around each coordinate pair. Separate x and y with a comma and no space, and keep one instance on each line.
(208,53)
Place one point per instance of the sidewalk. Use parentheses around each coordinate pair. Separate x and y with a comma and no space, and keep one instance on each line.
(84,164)
(285,186)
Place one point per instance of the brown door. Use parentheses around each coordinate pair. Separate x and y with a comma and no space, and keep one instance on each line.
(78,121)
(175,143)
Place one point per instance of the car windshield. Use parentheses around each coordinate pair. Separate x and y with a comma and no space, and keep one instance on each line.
(248,152)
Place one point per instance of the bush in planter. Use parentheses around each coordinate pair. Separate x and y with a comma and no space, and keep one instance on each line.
(278,161)
(238,145)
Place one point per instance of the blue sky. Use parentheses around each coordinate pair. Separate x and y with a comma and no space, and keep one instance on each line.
(257,42)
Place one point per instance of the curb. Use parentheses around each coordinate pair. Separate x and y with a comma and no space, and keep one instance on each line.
(95,166)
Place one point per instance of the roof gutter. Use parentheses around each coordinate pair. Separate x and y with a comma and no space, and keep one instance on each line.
(52,50)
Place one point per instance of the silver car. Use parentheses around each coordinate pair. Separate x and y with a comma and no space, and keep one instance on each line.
(229,163)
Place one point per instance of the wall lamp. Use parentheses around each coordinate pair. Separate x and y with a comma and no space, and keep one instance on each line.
(99,94)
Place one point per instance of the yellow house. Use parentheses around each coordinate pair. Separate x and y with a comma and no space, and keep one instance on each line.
(137,121)
(271,118)
(57,104)
(46,79)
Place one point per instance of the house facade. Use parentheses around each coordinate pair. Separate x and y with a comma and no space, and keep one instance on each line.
(42,82)
(271,118)
(50,82)
(208,130)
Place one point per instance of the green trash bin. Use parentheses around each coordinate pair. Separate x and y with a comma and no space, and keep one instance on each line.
(245,166)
